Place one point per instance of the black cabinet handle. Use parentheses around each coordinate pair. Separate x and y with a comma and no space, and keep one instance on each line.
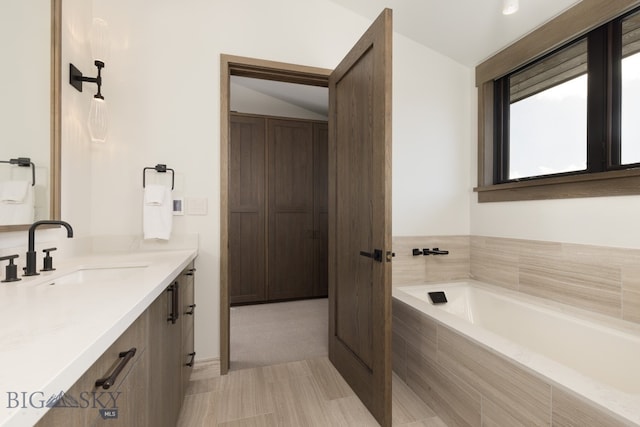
(107,382)
(175,302)
(190,272)
(190,312)
(190,362)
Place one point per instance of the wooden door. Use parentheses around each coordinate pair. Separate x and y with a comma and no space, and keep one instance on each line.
(360,218)
(290,254)
(247,210)
(320,208)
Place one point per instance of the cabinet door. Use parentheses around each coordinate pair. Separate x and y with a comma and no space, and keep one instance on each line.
(290,255)
(81,404)
(165,359)
(320,208)
(247,192)
(132,397)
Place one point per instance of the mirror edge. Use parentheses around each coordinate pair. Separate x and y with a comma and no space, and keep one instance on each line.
(56,107)
(56,124)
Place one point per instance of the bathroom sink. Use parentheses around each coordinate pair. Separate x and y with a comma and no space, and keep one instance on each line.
(98,275)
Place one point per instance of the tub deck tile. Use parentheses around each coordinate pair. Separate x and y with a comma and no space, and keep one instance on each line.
(454,401)
(568,411)
(514,390)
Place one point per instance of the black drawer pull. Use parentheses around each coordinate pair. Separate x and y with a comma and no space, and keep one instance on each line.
(190,272)
(193,357)
(107,382)
(175,302)
(190,312)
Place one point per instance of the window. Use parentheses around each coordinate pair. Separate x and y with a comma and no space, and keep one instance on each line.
(563,122)
(630,109)
(546,116)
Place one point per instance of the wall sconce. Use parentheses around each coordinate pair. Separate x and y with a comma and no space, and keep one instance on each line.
(98,110)
(509,7)
(97,122)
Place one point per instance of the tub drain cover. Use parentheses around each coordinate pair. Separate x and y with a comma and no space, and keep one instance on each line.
(438,297)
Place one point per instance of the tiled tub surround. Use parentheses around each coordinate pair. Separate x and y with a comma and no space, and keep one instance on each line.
(409,269)
(473,376)
(601,279)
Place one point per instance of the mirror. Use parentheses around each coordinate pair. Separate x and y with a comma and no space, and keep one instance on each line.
(30,84)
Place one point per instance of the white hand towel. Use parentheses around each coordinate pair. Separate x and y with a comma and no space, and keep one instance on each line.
(154,194)
(157,212)
(14,191)
(17,213)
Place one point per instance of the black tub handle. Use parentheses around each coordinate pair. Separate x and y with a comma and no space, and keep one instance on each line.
(107,382)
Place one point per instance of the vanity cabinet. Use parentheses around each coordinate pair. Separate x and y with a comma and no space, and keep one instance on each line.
(150,386)
(169,329)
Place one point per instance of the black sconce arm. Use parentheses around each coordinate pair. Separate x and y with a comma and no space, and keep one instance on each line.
(76,78)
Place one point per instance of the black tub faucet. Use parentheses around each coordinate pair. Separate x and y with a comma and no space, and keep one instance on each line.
(30,269)
(434,251)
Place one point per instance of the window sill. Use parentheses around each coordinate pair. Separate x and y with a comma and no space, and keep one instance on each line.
(612,183)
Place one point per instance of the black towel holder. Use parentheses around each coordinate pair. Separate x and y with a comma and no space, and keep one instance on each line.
(160,168)
(24,162)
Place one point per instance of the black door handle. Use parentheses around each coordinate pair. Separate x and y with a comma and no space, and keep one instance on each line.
(376,255)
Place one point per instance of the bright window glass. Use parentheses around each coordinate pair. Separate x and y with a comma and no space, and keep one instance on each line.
(630,113)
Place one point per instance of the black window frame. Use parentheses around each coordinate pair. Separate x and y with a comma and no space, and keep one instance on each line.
(604,104)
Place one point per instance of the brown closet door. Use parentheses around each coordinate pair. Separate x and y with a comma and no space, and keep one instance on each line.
(321,208)
(247,247)
(290,255)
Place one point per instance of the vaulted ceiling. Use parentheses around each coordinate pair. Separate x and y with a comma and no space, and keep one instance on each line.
(468,31)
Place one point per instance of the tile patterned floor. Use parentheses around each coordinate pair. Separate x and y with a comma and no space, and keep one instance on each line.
(301,393)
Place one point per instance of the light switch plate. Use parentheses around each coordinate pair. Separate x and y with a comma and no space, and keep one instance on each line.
(178,206)
(196,206)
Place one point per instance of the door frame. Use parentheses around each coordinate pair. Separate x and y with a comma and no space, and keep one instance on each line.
(231,65)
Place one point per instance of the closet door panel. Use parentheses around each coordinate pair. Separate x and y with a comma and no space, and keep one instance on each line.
(291,198)
(291,257)
(247,258)
(247,210)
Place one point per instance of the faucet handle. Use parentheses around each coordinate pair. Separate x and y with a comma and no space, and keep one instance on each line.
(48,260)
(11,271)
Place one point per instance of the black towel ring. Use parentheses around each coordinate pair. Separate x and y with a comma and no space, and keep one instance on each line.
(160,168)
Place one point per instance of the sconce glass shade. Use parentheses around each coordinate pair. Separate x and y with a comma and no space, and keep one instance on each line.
(509,7)
(100,40)
(98,120)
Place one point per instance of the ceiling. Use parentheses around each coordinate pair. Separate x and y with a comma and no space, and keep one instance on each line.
(468,31)
(311,98)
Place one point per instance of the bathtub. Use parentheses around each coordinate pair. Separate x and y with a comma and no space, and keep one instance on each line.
(561,362)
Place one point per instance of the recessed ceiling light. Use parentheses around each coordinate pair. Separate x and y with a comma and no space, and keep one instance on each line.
(509,7)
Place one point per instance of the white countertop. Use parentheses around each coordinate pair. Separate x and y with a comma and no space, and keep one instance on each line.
(50,335)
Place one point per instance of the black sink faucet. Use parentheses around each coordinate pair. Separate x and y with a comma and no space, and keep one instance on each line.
(30,269)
